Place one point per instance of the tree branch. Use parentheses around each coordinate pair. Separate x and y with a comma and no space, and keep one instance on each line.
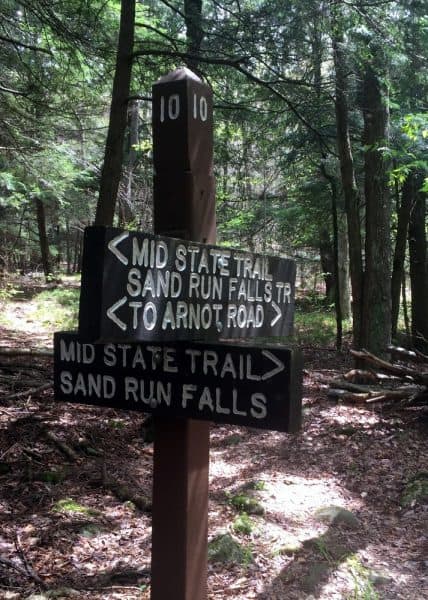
(13,92)
(23,45)
(236,64)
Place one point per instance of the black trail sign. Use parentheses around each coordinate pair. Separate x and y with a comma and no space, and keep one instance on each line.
(138,286)
(257,387)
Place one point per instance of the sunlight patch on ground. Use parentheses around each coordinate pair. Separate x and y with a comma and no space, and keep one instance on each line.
(220,468)
(20,316)
(349,415)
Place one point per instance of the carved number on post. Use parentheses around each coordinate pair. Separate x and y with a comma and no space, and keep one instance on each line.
(170,107)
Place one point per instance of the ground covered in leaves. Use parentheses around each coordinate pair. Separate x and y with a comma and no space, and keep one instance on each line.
(337,511)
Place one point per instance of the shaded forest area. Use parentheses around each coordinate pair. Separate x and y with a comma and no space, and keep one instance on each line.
(321,135)
(335,512)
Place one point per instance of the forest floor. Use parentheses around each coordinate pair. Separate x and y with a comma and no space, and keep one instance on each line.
(337,511)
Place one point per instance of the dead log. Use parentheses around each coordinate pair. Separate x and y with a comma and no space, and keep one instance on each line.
(409,355)
(360,376)
(401,371)
(345,395)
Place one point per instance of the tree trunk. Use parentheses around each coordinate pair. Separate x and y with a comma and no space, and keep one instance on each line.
(419,267)
(349,184)
(113,157)
(327,265)
(194,31)
(126,210)
(43,239)
(343,265)
(376,314)
(403,213)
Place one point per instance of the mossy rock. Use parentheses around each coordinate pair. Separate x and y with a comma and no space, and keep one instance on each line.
(247,504)
(416,490)
(336,515)
(225,549)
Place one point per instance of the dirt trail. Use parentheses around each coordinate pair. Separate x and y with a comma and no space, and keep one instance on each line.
(64,523)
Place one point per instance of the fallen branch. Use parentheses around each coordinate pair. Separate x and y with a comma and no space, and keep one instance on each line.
(348,396)
(29,392)
(26,352)
(27,571)
(65,448)
(31,367)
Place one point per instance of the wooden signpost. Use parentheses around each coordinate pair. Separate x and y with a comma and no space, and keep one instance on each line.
(152,306)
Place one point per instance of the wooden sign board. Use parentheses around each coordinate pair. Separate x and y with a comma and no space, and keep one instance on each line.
(257,387)
(137,286)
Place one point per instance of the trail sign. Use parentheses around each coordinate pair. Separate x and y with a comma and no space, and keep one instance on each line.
(146,299)
(138,286)
(253,386)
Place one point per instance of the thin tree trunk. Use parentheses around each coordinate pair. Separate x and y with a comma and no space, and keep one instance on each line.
(349,185)
(67,246)
(376,314)
(405,311)
(327,265)
(126,212)
(403,214)
(418,267)
(343,265)
(194,31)
(113,158)
(43,239)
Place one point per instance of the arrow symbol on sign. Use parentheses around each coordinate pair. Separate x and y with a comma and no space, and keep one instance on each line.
(112,246)
(113,317)
(277,369)
(278,314)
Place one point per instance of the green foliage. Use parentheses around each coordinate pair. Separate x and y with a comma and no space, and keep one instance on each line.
(316,326)
(57,308)
(363,587)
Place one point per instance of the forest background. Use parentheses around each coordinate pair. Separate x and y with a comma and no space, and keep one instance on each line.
(321,132)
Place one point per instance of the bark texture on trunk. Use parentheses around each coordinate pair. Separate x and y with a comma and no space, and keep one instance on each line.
(113,157)
(419,267)
(43,238)
(376,313)
(403,213)
(349,185)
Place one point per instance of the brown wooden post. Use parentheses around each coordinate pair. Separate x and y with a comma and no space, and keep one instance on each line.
(184,206)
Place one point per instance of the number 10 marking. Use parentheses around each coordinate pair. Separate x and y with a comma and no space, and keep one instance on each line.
(170,108)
